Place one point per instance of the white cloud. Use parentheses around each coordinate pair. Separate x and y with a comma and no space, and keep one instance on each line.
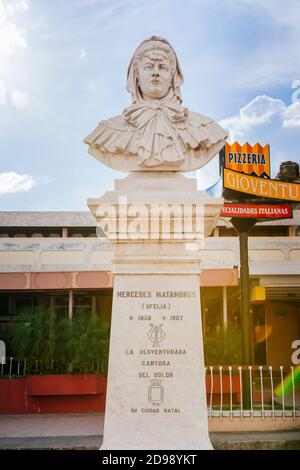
(263,117)
(19,99)
(17,5)
(11,36)
(292,115)
(261,110)
(82,54)
(12,182)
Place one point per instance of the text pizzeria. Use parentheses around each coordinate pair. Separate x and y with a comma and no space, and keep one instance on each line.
(247,158)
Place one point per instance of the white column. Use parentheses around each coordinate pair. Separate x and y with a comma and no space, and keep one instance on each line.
(70,304)
(225,316)
(94,305)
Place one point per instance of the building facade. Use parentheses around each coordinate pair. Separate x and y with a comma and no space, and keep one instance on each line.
(61,261)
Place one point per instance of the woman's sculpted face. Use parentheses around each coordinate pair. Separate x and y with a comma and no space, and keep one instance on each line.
(154,75)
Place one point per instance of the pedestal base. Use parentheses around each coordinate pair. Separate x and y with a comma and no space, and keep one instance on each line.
(156,397)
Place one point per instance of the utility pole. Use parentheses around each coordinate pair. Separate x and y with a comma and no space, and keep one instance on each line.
(243,226)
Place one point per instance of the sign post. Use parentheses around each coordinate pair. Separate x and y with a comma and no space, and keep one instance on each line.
(243,226)
(251,195)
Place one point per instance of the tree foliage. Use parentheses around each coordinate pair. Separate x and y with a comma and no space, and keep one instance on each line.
(81,343)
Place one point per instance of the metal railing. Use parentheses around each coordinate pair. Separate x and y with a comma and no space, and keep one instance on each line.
(274,392)
(22,367)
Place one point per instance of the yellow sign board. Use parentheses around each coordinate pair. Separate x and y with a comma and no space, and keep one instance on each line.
(248,158)
(260,186)
(258,294)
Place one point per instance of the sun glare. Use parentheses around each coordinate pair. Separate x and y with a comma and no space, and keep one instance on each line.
(12,36)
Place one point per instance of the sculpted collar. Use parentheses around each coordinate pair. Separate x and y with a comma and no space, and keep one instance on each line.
(156,122)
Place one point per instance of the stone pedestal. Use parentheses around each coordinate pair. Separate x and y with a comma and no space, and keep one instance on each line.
(156,396)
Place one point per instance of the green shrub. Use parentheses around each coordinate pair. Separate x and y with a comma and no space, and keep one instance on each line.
(222,348)
(61,345)
(82,341)
(30,336)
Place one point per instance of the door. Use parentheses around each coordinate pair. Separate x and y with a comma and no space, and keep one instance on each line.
(283,320)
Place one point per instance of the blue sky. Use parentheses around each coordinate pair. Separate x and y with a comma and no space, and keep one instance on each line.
(63,69)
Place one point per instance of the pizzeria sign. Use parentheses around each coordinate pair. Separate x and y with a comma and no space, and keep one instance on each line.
(247,159)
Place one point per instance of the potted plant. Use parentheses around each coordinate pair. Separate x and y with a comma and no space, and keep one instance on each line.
(64,361)
(223,348)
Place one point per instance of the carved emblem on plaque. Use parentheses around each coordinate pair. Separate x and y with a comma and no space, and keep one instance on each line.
(155,392)
(156,334)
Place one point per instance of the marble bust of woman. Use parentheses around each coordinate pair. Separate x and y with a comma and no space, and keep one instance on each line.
(156,133)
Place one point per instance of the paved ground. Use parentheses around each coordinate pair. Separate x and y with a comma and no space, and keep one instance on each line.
(51,425)
(84,431)
(57,443)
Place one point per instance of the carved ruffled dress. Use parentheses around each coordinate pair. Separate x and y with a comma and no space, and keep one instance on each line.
(158,133)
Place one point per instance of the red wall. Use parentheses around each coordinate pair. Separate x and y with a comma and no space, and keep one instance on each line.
(53,394)
(78,393)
